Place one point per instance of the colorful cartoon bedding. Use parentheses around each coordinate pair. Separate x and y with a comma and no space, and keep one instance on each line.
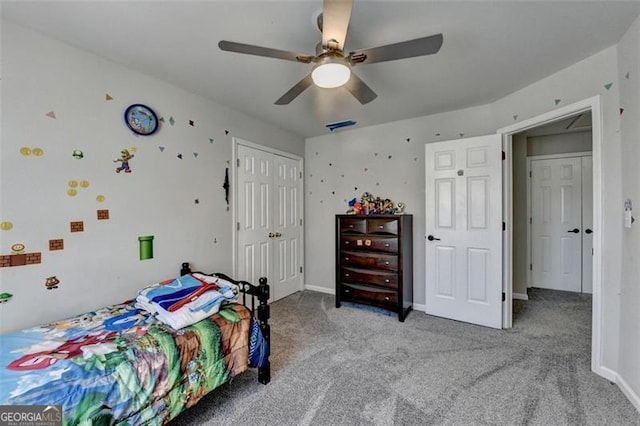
(120,365)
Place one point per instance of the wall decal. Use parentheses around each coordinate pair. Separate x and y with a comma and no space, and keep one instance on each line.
(17,248)
(366,169)
(179,156)
(215,240)
(77,226)
(73,184)
(161,119)
(108,97)
(195,154)
(608,86)
(25,150)
(51,114)
(461,135)
(172,121)
(226,132)
(84,184)
(191,123)
(125,156)
(341,175)
(5,297)
(146,247)
(621,111)
(196,201)
(390,157)
(6,226)
(161,148)
(627,75)
(22,259)
(408,139)
(133,148)
(316,153)
(557,101)
(77,154)
(100,198)
(210,140)
(415,158)
(56,244)
(330,164)
(438,134)
(103,214)
(38,152)
(51,282)
(515,117)
(375,154)
(72,192)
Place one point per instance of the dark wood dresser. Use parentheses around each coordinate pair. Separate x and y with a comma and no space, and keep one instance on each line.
(374,261)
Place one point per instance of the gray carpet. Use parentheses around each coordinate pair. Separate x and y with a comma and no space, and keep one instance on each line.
(351,366)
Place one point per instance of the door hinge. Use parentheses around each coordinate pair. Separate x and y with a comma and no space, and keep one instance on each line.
(238,226)
(504,226)
(237,162)
(530,220)
(300,174)
(504,296)
(504,155)
(531,266)
(300,222)
(530,175)
(301,269)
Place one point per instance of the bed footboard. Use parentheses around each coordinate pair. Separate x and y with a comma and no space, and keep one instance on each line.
(262,312)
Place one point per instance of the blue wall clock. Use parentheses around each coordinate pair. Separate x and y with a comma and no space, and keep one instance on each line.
(141,119)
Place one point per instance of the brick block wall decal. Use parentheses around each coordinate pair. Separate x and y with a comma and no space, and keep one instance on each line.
(103,214)
(56,244)
(23,259)
(77,226)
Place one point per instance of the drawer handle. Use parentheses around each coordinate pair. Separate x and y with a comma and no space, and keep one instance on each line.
(386,263)
(346,275)
(381,226)
(387,245)
(350,226)
(386,298)
(346,258)
(346,242)
(347,291)
(387,281)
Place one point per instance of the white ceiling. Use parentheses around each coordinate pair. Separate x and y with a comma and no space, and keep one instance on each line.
(490,49)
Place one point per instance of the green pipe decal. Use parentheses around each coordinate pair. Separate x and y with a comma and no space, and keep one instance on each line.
(146,247)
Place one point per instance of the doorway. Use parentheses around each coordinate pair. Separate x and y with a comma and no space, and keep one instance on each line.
(267,211)
(592,105)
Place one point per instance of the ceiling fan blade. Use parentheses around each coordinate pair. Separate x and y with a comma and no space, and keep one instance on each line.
(405,49)
(360,90)
(295,91)
(335,22)
(250,49)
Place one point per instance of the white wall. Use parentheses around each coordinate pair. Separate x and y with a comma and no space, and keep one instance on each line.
(629,77)
(101,265)
(353,150)
(379,160)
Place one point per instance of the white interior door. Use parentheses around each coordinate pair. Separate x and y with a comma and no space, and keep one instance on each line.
(464,227)
(556,228)
(287,224)
(269,227)
(587,224)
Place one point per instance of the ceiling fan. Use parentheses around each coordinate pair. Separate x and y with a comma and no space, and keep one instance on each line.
(332,67)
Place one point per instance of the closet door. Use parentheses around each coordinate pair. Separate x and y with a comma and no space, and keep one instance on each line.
(269,228)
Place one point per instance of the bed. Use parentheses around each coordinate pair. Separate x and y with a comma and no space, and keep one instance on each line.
(121,365)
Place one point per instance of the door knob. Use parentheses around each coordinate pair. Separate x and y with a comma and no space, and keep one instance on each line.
(278,235)
(271,235)
(432,238)
(574,230)
(588,231)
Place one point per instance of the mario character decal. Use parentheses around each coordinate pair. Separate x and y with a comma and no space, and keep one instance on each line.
(52,282)
(125,156)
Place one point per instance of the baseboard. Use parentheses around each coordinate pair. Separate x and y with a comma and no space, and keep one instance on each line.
(607,373)
(421,308)
(520,296)
(320,289)
(628,392)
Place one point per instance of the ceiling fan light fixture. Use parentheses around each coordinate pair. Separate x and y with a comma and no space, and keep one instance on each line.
(331,73)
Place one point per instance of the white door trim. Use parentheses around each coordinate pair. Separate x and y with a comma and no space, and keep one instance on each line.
(234,203)
(529,194)
(592,104)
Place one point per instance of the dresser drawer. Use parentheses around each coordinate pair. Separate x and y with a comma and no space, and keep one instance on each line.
(369,260)
(369,295)
(382,226)
(368,243)
(381,278)
(353,225)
